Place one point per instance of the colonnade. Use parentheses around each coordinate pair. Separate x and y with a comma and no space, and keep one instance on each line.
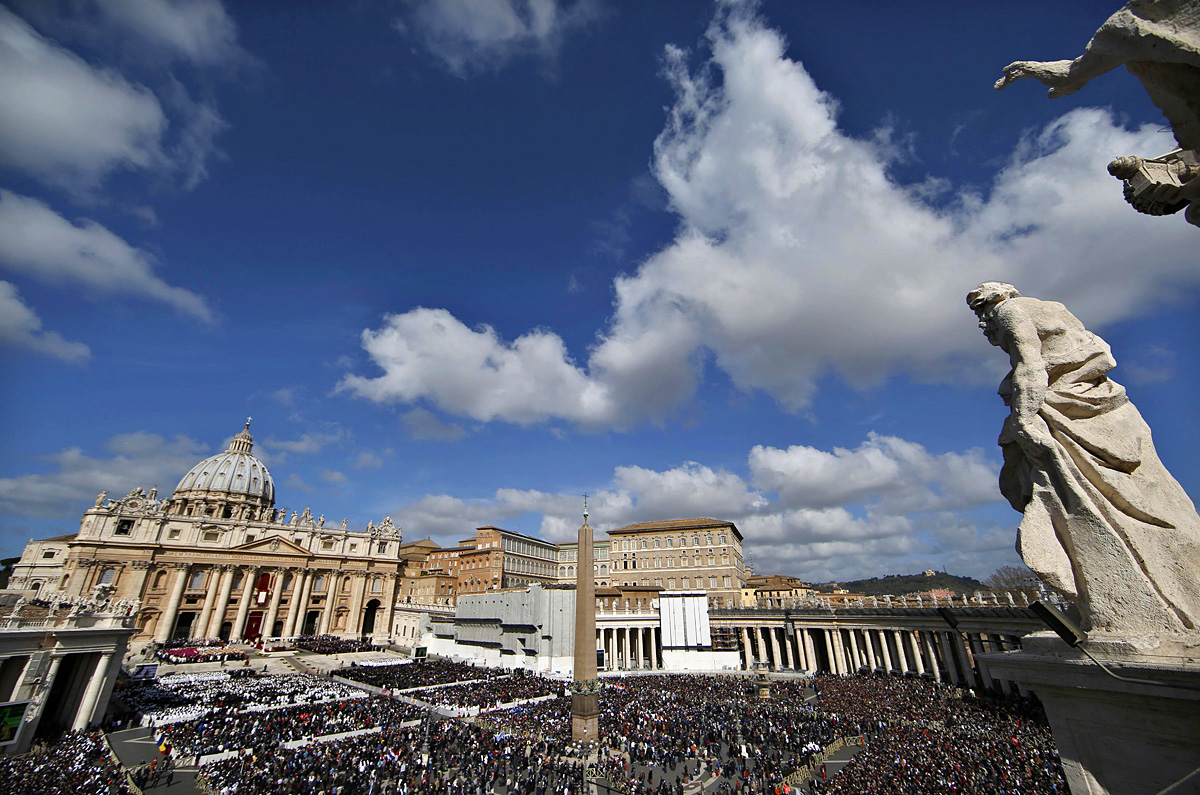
(948,655)
(341,599)
(631,648)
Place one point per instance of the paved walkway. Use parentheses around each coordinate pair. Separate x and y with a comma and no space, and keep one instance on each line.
(136,747)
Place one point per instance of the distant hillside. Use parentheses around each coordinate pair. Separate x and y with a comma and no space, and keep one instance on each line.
(899,584)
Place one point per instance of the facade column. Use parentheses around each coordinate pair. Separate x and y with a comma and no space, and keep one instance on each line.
(855,658)
(902,652)
(789,659)
(83,718)
(210,598)
(276,598)
(218,617)
(141,570)
(167,619)
(625,647)
(810,650)
(829,650)
(887,653)
(239,623)
(358,592)
(747,648)
(390,582)
(331,594)
(299,603)
(915,646)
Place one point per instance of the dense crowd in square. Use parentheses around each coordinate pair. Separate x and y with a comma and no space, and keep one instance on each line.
(331,644)
(76,763)
(490,693)
(181,697)
(420,673)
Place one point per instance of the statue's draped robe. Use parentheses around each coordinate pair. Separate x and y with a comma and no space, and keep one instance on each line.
(1105,523)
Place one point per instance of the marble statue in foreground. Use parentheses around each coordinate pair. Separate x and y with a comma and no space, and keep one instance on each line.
(1104,522)
(1158,41)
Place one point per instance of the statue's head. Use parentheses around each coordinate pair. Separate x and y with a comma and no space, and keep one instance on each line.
(983,300)
(988,294)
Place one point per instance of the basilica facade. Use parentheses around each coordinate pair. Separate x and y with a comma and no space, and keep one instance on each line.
(218,559)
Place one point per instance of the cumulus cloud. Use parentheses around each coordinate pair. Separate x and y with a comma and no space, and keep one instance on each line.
(20,327)
(469,37)
(38,242)
(67,122)
(888,506)
(199,31)
(332,476)
(367,460)
(307,444)
(799,256)
(137,459)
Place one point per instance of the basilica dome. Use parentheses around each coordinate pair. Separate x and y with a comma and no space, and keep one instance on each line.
(234,474)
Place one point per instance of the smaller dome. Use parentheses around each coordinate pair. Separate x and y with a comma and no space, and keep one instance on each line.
(233,472)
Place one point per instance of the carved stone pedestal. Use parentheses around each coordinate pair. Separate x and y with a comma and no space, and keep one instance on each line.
(585,716)
(1115,737)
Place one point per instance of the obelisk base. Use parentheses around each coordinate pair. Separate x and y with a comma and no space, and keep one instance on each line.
(585,717)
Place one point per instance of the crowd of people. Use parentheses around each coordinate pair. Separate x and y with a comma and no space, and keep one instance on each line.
(924,737)
(232,728)
(199,654)
(421,673)
(490,693)
(175,698)
(330,644)
(76,763)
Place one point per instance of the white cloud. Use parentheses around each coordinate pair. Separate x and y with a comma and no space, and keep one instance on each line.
(469,37)
(367,460)
(889,506)
(297,483)
(137,459)
(37,241)
(424,424)
(900,476)
(332,476)
(67,122)
(307,444)
(20,327)
(199,31)
(799,256)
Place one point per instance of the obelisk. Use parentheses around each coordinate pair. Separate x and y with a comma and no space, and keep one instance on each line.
(585,689)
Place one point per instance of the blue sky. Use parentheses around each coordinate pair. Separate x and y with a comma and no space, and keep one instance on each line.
(463,262)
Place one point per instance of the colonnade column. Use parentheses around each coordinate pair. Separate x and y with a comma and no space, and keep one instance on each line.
(948,658)
(276,598)
(210,596)
(855,658)
(625,647)
(927,646)
(829,653)
(239,623)
(218,616)
(916,652)
(91,695)
(869,643)
(977,648)
(167,619)
(887,653)
(903,652)
(775,648)
(810,648)
(969,671)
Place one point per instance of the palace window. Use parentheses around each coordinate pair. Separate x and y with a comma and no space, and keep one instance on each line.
(173,532)
(48,554)
(319,582)
(108,576)
(382,548)
(124,527)
(212,536)
(196,580)
(327,545)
